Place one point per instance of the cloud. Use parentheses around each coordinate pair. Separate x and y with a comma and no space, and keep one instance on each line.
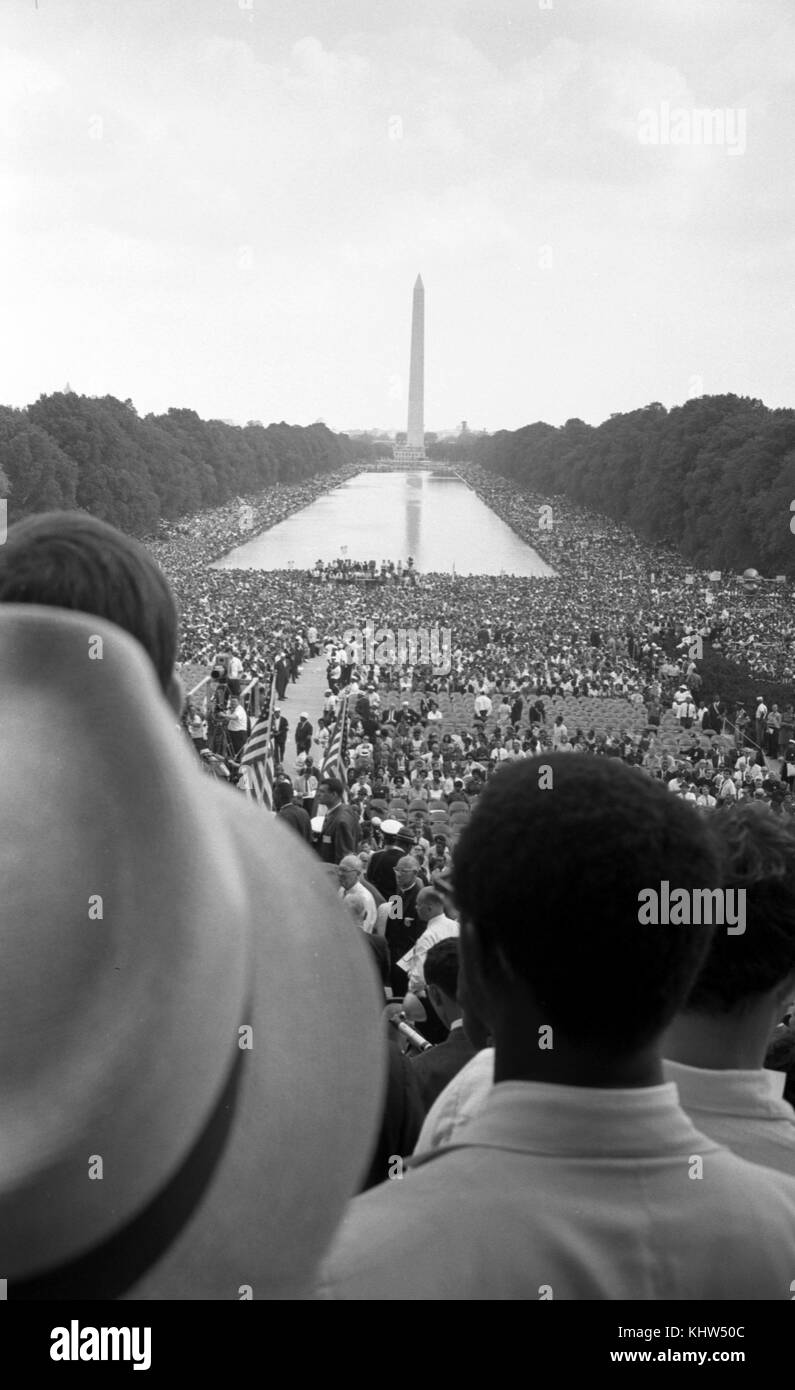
(275,185)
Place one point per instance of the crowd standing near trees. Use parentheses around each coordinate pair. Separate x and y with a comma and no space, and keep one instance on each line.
(438,830)
(714,477)
(98,454)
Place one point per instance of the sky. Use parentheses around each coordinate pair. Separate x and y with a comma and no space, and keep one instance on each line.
(224,205)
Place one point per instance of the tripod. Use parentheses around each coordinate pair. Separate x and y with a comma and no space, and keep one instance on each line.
(221,742)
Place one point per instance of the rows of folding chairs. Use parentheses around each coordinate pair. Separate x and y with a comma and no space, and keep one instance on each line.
(598,712)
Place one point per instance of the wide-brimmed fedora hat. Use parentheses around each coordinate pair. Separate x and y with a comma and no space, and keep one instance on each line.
(190,1059)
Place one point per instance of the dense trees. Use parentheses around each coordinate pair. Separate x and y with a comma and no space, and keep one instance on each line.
(69,451)
(714,477)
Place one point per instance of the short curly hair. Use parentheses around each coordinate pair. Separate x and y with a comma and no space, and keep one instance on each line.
(759,852)
(549,870)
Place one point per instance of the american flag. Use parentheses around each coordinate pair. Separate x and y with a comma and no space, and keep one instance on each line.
(257,757)
(334,761)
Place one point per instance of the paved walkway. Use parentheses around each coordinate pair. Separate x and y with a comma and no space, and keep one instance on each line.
(308,694)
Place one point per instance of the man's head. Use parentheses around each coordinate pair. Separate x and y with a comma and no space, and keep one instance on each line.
(430,904)
(549,876)
(759,964)
(282,793)
(349,871)
(70,560)
(405,872)
(440,969)
(329,792)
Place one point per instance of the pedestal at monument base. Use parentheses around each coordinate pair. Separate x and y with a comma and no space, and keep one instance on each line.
(408,453)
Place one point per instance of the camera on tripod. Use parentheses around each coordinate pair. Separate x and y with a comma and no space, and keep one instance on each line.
(220,668)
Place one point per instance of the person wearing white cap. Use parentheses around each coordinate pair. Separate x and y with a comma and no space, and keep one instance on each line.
(684,707)
(381,869)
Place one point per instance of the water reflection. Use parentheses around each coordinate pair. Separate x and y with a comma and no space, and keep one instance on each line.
(434,517)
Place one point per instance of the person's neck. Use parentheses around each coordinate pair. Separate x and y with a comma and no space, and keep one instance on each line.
(734,1041)
(518,1057)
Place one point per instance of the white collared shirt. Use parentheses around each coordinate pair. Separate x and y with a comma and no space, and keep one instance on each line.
(744,1110)
(360,904)
(238,721)
(461,1100)
(437,929)
(594,1193)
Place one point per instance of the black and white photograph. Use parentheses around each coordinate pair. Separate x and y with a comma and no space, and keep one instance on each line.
(397,670)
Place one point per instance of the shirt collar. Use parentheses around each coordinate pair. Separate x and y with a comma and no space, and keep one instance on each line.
(535,1117)
(756,1092)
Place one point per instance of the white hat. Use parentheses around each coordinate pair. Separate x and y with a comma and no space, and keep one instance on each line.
(391,827)
(141,1020)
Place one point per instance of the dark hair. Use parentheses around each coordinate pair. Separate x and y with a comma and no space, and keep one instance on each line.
(282,793)
(334,785)
(440,966)
(549,871)
(759,850)
(72,560)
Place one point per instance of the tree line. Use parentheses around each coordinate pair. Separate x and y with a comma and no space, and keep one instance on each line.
(96,453)
(715,478)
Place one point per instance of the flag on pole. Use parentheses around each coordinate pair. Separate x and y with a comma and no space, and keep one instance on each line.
(334,761)
(257,760)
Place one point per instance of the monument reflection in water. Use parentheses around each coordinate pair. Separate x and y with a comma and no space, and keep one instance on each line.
(435,518)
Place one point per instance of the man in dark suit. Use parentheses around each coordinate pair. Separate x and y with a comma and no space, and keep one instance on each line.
(440,1064)
(280,728)
(381,868)
(340,833)
(398,920)
(287,805)
(303,734)
(282,670)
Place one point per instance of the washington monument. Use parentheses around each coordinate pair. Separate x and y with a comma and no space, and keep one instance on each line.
(414,448)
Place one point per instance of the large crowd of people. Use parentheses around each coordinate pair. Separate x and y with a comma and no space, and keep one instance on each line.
(602,658)
(457,1026)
